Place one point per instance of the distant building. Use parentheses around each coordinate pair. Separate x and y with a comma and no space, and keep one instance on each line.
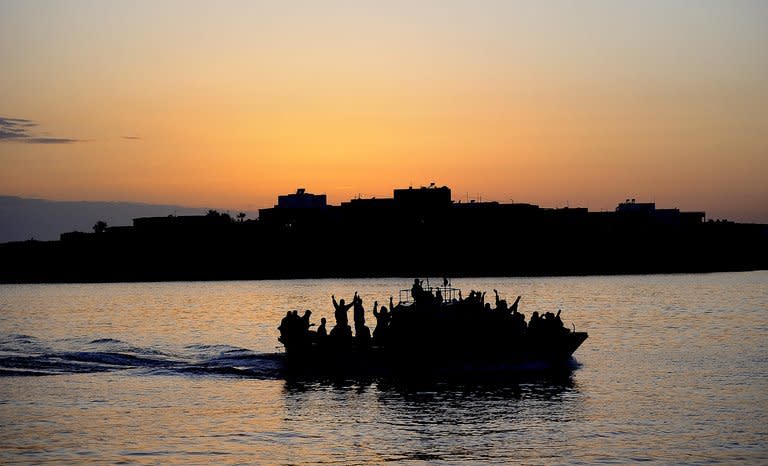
(664,216)
(630,206)
(301,200)
(292,209)
(430,197)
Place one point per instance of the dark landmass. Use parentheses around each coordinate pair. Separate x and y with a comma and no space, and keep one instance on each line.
(22,219)
(418,232)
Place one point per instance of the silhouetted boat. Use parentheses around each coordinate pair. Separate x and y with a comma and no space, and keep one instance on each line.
(451,337)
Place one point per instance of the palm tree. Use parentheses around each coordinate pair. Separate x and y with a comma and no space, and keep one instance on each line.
(241,216)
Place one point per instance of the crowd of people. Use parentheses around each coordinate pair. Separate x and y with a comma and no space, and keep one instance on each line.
(429,314)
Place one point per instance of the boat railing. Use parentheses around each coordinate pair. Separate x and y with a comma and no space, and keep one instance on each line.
(448,293)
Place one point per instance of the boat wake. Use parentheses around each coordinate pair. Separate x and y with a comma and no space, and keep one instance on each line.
(25,355)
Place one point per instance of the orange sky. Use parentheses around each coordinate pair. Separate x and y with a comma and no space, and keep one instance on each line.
(229,104)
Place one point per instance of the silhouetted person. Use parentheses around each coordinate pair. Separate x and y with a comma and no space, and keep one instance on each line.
(419,295)
(416,289)
(533,324)
(363,336)
(358,312)
(382,323)
(558,324)
(305,321)
(518,323)
(501,304)
(551,324)
(284,327)
(295,325)
(394,309)
(476,300)
(340,312)
(322,333)
(291,328)
(341,333)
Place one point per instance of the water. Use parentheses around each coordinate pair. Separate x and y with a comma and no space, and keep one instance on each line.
(675,371)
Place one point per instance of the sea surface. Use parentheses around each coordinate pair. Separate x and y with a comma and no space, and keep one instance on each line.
(675,370)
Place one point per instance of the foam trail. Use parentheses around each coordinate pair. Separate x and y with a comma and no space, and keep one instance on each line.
(24,355)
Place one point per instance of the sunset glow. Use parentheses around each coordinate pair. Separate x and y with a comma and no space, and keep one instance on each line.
(231,103)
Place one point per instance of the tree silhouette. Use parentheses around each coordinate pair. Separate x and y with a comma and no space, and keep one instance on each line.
(100,226)
(241,216)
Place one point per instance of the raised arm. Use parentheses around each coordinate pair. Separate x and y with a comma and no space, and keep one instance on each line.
(514,306)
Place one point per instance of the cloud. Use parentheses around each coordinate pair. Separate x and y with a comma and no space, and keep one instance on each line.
(50,140)
(133,138)
(23,131)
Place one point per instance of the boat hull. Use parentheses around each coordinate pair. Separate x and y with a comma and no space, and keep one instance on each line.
(527,354)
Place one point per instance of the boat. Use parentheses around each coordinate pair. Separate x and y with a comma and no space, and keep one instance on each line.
(431,330)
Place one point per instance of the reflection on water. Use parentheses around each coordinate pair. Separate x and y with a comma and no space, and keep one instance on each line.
(489,421)
(440,402)
(547,386)
(180,373)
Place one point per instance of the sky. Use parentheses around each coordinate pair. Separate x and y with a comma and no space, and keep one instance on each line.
(230,103)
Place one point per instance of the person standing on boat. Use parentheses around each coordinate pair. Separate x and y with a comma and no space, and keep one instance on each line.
(501,304)
(535,323)
(417,291)
(285,327)
(321,331)
(382,323)
(358,313)
(304,322)
(362,333)
(340,312)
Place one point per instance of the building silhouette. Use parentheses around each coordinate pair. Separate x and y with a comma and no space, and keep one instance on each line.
(417,232)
